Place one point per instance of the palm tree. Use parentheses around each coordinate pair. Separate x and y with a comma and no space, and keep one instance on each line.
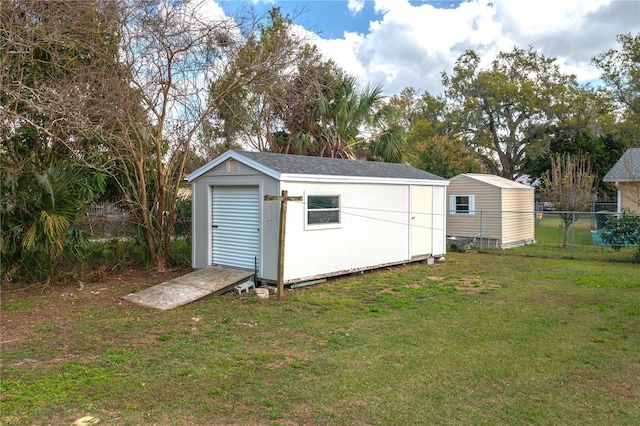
(39,209)
(390,143)
(356,123)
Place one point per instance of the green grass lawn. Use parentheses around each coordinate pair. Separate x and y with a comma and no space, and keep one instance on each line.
(550,235)
(499,337)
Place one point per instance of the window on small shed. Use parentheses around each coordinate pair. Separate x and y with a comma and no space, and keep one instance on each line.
(462,204)
(323,209)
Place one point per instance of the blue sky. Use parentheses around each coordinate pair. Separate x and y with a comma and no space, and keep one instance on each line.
(331,18)
(402,43)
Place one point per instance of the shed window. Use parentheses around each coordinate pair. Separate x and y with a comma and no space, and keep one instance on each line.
(462,204)
(323,209)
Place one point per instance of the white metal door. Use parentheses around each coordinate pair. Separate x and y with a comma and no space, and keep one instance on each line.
(235,233)
(421,220)
(439,234)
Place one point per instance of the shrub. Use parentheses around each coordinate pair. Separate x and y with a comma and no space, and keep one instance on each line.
(623,231)
(39,207)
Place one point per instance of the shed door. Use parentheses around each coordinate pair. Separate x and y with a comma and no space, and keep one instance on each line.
(421,220)
(439,235)
(235,233)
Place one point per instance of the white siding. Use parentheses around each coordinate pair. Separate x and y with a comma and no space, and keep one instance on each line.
(487,203)
(375,224)
(518,221)
(373,230)
(504,211)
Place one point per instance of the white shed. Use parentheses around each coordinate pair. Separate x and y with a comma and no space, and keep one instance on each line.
(354,215)
(497,211)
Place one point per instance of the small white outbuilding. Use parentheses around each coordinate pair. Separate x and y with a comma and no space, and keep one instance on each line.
(352,215)
(497,211)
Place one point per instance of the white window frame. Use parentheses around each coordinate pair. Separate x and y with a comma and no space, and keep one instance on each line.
(453,205)
(314,226)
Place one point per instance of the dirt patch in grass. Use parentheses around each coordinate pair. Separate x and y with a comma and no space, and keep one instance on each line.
(28,308)
(474,285)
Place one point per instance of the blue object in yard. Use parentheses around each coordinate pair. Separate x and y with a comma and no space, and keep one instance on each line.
(596,236)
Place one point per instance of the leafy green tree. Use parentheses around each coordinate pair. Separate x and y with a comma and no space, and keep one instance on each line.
(405,105)
(615,120)
(59,63)
(293,101)
(314,82)
(620,70)
(512,108)
(604,150)
(280,77)
(446,157)
(119,85)
(387,141)
(429,145)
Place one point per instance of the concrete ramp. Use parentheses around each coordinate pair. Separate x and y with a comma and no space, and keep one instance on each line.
(187,288)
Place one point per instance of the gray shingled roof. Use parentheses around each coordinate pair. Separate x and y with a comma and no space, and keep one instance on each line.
(626,169)
(304,165)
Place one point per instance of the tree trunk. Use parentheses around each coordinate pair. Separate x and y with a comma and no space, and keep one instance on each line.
(160,260)
(567,221)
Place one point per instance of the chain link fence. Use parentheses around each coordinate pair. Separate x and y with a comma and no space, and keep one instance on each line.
(550,229)
(107,221)
(545,232)
(112,220)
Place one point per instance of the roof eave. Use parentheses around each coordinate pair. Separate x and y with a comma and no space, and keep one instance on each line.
(616,180)
(236,156)
(480,178)
(290,177)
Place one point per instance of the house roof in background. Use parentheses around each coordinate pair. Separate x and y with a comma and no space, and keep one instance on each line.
(493,180)
(283,166)
(626,169)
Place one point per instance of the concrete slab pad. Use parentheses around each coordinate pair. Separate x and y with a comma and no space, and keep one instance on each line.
(189,287)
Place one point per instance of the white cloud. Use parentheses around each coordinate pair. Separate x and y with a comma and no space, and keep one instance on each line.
(534,18)
(355,6)
(207,11)
(343,51)
(573,31)
(411,45)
